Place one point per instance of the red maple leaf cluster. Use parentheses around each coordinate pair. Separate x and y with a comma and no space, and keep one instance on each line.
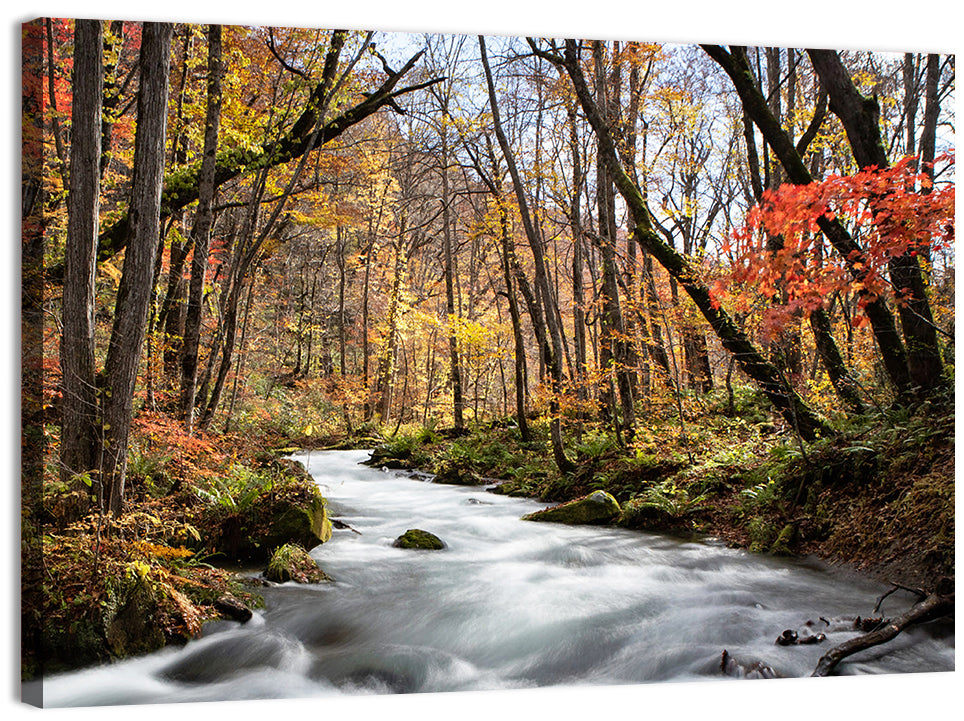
(781,254)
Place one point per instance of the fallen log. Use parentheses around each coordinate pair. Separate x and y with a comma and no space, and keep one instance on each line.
(932,607)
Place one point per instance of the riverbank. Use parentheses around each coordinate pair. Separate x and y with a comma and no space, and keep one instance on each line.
(96,588)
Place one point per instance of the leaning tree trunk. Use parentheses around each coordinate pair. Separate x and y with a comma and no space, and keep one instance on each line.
(882,322)
(932,607)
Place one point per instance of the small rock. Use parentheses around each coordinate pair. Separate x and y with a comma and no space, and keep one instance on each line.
(419,539)
(293,563)
(231,608)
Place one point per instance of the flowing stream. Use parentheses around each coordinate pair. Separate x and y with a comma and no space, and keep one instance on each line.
(507,604)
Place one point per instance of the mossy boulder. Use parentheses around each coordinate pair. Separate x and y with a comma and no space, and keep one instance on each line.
(299,517)
(787,535)
(128,621)
(302,517)
(143,613)
(291,562)
(598,507)
(419,539)
(395,456)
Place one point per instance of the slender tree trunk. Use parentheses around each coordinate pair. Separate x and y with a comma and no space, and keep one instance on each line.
(578,294)
(170,317)
(201,232)
(172,313)
(113,42)
(911,102)
(928,137)
(55,128)
(366,348)
(932,107)
(386,364)
(521,373)
(230,331)
(455,371)
(342,316)
(242,356)
(551,347)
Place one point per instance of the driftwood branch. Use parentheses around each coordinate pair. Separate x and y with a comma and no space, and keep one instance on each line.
(934,606)
(897,587)
(342,525)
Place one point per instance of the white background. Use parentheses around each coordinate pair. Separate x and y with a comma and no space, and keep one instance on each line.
(882,25)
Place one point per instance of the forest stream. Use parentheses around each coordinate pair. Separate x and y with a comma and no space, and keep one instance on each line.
(507,604)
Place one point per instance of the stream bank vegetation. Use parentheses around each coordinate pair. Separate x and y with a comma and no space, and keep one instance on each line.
(714,282)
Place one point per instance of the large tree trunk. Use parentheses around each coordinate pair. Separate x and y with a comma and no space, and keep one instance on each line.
(79,438)
(888,339)
(133,294)
(613,344)
(820,322)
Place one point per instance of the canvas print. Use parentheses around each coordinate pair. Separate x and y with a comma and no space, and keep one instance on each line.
(391,362)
